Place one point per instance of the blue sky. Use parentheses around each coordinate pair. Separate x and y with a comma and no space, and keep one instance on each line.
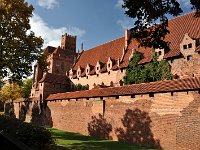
(93,21)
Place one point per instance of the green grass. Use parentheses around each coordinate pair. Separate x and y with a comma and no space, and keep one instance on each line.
(74,141)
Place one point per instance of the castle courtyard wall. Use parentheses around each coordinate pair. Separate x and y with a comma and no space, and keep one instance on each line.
(166,120)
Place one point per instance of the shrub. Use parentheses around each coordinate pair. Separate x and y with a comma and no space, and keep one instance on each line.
(37,138)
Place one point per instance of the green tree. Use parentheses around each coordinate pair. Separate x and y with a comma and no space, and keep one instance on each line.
(10,92)
(154,13)
(150,72)
(80,87)
(19,46)
(26,88)
(135,73)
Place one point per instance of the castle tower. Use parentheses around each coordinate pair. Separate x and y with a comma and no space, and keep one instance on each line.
(68,42)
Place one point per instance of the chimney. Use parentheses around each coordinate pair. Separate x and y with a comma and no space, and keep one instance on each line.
(127,37)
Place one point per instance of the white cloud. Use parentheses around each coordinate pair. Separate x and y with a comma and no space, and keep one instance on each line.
(48,4)
(119,3)
(51,35)
(126,23)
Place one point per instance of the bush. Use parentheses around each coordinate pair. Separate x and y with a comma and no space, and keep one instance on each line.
(37,138)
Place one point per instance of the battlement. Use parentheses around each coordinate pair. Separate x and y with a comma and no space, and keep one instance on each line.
(68,35)
(68,42)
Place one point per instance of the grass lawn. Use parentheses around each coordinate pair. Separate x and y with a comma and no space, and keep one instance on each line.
(74,141)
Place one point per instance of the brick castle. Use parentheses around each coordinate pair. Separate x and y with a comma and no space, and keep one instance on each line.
(164,114)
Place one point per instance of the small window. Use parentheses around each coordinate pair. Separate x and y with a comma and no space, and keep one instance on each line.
(121,70)
(172,60)
(159,53)
(132,96)
(108,72)
(172,93)
(87,77)
(97,75)
(97,68)
(87,70)
(151,95)
(108,65)
(41,84)
(117,97)
(184,46)
(189,58)
(190,45)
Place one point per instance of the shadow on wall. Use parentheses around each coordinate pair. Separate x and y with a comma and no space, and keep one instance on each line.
(23,110)
(136,129)
(41,115)
(47,117)
(99,127)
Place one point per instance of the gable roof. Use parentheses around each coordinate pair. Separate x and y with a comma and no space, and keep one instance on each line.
(49,49)
(178,27)
(54,78)
(198,49)
(114,49)
(143,88)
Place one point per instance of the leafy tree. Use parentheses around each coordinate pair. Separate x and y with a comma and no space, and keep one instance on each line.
(26,88)
(133,72)
(19,46)
(150,72)
(154,13)
(80,87)
(10,92)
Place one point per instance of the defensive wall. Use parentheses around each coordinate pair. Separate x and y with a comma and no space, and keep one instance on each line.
(164,114)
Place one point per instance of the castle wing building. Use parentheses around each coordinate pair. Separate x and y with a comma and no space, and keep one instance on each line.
(106,63)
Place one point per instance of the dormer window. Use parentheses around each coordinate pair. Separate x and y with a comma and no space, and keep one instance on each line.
(190,45)
(159,53)
(184,46)
(97,68)
(189,58)
(87,70)
(108,65)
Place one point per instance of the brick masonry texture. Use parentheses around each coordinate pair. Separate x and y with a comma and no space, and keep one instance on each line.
(164,114)
(168,120)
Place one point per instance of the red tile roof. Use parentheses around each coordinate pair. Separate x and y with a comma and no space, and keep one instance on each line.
(54,78)
(198,49)
(178,27)
(144,88)
(113,49)
(59,51)
(26,99)
(49,49)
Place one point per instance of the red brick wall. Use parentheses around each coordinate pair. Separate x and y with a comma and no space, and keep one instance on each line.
(167,120)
